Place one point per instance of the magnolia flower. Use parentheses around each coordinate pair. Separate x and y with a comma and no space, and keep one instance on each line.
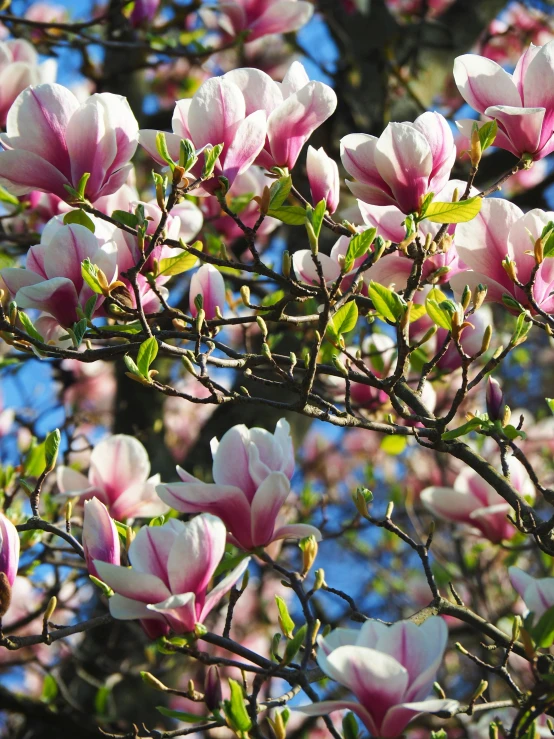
(323,176)
(294,109)
(390,670)
(306,270)
(474,502)
(403,165)
(167,585)
(207,283)
(502,230)
(52,140)
(52,281)
(19,68)
(144,11)
(9,549)
(216,114)
(263,17)
(100,538)
(118,477)
(521,103)
(536,593)
(252,469)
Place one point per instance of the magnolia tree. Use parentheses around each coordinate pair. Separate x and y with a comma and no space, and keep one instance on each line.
(276,327)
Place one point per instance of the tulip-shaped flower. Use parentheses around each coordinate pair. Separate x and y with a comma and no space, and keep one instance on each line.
(167,585)
(9,561)
(294,109)
(52,281)
(474,502)
(217,114)
(207,283)
(263,17)
(118,477)
(252,469)
(522,103)
(19,68)
(100,538)
(306,270)
(536,593)
(494,399)
(144,12)
(502,230)
(390,670)
(403,165)
(323,176)
(52,140)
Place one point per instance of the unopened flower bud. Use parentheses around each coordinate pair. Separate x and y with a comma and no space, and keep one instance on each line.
(538,251)
(479,296)
(266,351)
(309,553)
(486,339)
(287,262)
(212,688)
(362,498)
(466,298)
(245,295)
(495,399)
(5,594)
(319,579)
(153,682)
(262,326)
(510,268)
(475,151)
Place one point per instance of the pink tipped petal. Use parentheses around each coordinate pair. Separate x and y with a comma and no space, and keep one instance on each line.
(179,610)
(266,504)
(202,549)
(127,609)
(294,121)
(260,92)
(57,297)
(100,537)
(323,176)
(215,113)
(71,482)
(399,717)
(118,462)
(483,83)
(296,531)
(15,278)
(306,270)
(9,549)
(179,121)
(139,586)
(210,285)
(281,16)
(150,550)
(248,142)
(522,125)
(230,460)
(21,172)
(449,504)
(223,587)
(387,219)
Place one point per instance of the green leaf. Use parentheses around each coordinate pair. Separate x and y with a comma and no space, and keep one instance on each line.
(128,219)
(550,402)
(7,197)
(126,328)
(89,272)
(523,326)
(440,313)
(157,521)
(101,700)
(272,298)
(161,146)
(358,246)
(131,366)
(35,461)
(459,212)
(171,266)
(187,154)
(79,330)
(471,425)
(211,155)
(80,218)
(292,647)
(279,191)
(49,689)
(426,202)
(292,215)
(543,631)
(394,445)
(241,202)
(316,216)
(29,327)
(386,302)
(90,307)
(285,621)
(487,134)
(350,728)
(235,709)
(343,321)
(229,562)
(187,718)
(51,448)
(82,185)
(147,353)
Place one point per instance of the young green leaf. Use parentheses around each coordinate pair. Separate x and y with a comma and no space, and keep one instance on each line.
(80,218)
(211,155)
(29,326)
(285,621)
(471,425)
(358,246)
(279,191)
(235,709)
(161,146)
(386,302)
(543,631)
(187,718)
(343,321)
(487,134)
(89,272)
(292,215)
(51,448)
(459,212)
(147,353)
(128,219)
(79,330)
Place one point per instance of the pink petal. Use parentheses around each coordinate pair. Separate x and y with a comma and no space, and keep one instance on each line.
(306,271)
(118,462)
(208,283)
(216,111)
(223,587)
(22,172)
(282,16)
(296,531)
(147,139)
(201,546)
(483,83)
(266,505)
(323,708)
(400,716)
(248,142)
(57,297)
(141,586)
(260,92)
(523,126)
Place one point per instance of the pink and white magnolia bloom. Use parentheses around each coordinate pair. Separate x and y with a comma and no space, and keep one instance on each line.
(390,670)
(294,109)
(501,229)
(403,165)
(119,477)
(166,586)
(144,11)
(475,503)
(263,17)
(522,103)
(216,114)
(305,269)
(19,68)
(536,593)
(100,538)
(252,469)
(323,176)
(9,549)
(210,285)
(52,280)
(52,139)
